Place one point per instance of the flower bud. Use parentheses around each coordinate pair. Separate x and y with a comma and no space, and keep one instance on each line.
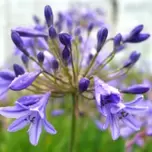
(7,75)
(65,53)
(137,30)
(77,31)
(54,64)
(134,57)
(101,38)
(25,59)
(136,89)
(29,32)
(48,15)
(18,42)
(52,32)
(36,19)
(135,36)
(90,27)
(117,40)
(19,70)
(40,57)
(65,39)
(83,84)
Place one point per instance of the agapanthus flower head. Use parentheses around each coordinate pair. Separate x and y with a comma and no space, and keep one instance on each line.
(57,64)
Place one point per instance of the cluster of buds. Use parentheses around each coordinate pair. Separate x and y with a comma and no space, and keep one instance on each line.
(59,63)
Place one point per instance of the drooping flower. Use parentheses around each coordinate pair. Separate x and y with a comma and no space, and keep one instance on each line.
(29,110)
(116,112)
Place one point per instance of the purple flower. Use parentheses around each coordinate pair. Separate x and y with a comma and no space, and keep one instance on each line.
(123,113)
(29,110)
(106,96)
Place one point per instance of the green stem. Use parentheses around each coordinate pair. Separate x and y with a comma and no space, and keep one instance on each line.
(73,125)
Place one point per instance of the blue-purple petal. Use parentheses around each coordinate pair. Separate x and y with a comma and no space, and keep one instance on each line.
(48,127)
(18,124)
(35,131)
(115,130)
(41,105)
(131,122)
(29,100)
(13,112)
(23,81)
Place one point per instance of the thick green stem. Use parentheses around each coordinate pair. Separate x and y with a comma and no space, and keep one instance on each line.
(73,124)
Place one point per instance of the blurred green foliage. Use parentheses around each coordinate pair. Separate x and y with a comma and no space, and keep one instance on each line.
(88,138)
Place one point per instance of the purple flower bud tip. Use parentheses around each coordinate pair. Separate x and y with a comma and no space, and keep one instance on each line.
(90,27)
(137,30)
(117,40)
(135,36)
(83,84)
(36,19)
(48,15)
(24,58)
(52,32)
(101,38)
(136,89)
(77,31)
(19,70)
(65,39)
(7,75)
(65,53)
(40,57)
(54,64)
(134,57)
(17,40)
